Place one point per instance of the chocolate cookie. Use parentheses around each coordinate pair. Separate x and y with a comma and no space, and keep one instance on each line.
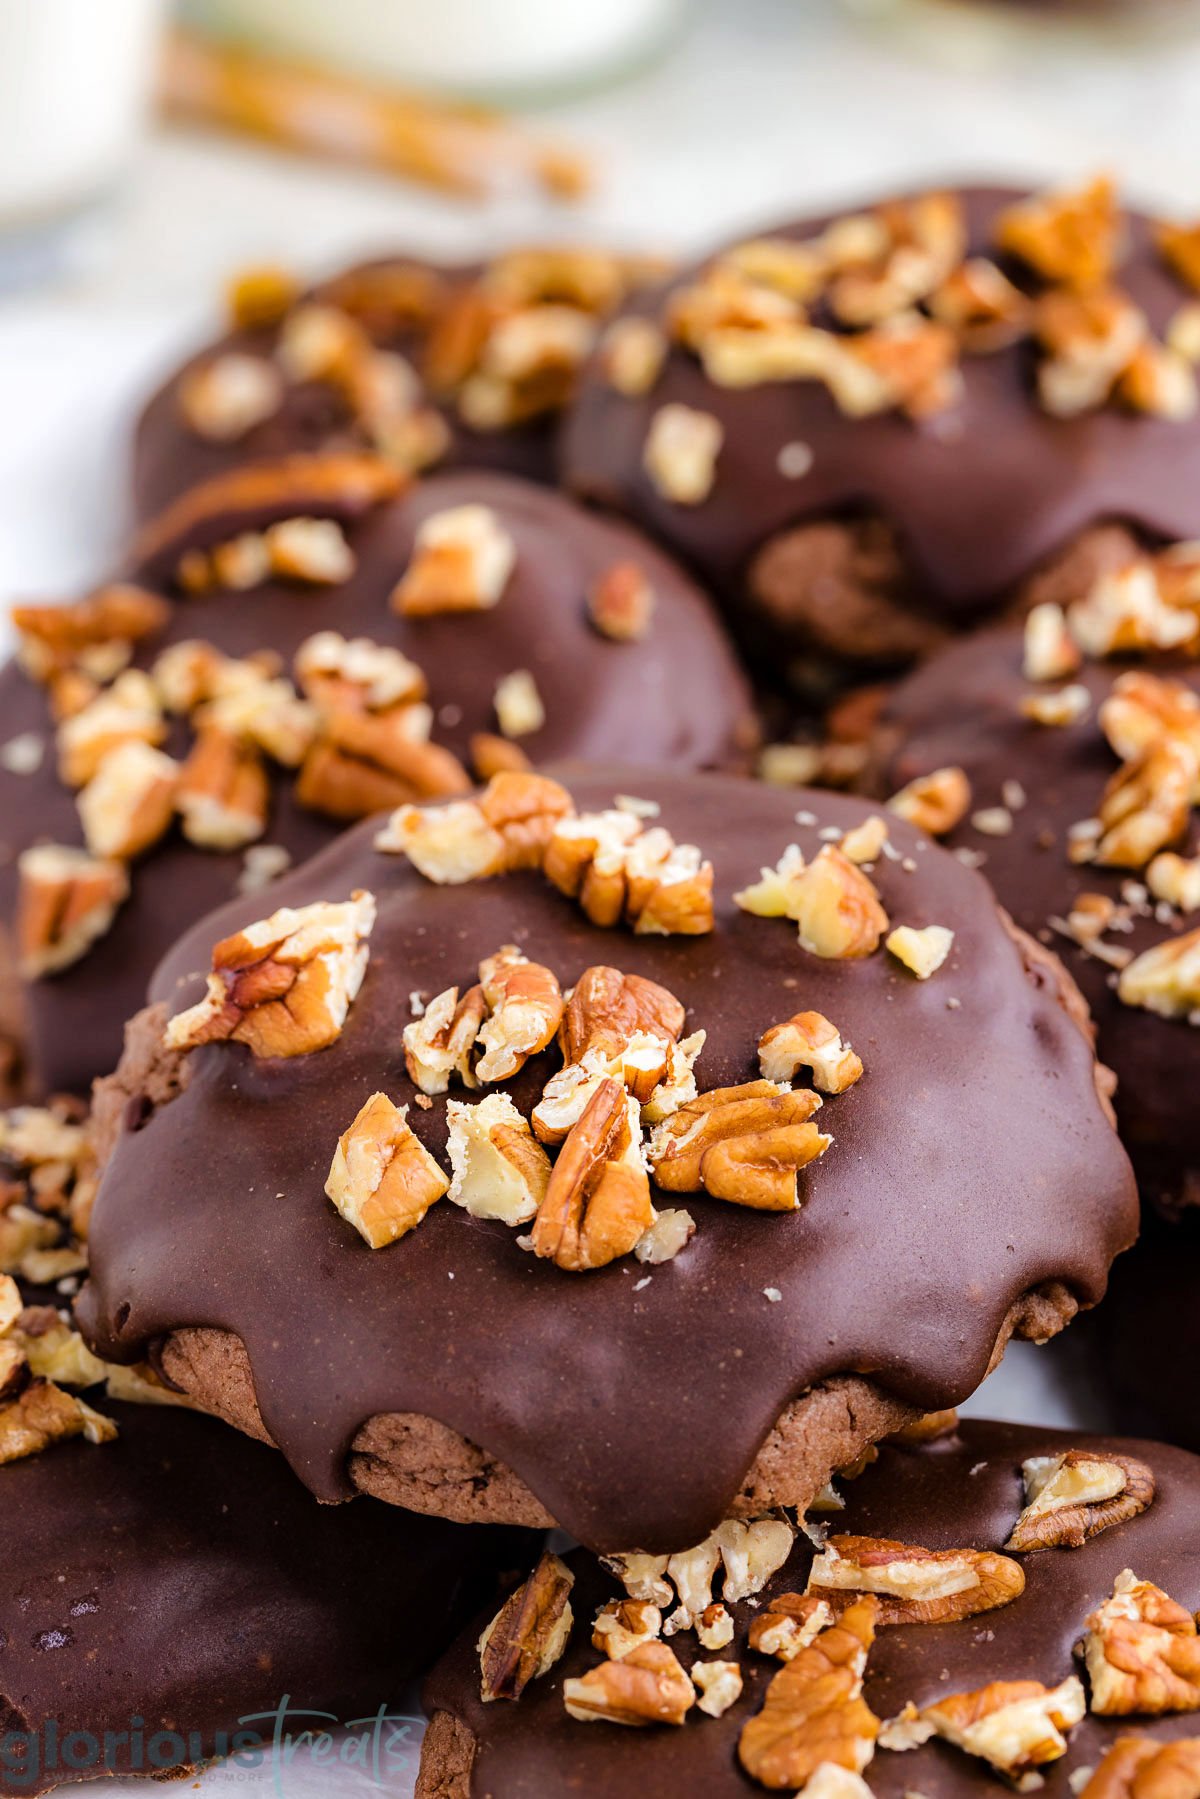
(431,366)
(1085,827)
(165,1591)
(1004,1615)
(868,430)
(814,1273)
(488,606)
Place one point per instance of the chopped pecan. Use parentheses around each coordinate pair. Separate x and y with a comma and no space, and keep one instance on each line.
(43,1414)
(597,1204)
(1142,1652)
(1073,238)
(923,241)
(808,1040)
(1065,706)
(1159,380)
(519,708)
(1175,879)
(1016,1725)
(54,1351)
(1146,805)
(914,1585)
(1076,1495)
(615,868)
(260,296)
(529,1632)
(633,351)
(607,1009)
(745,1144)
(647,1686)
(625,1624)
(90,634)
(864,844)
(67,902)
(1141,1767)
(714,1627)
(493,755)
(499,1168)
(1142,708)
(620,603)
(671,1231)
(789,1624)
(1092,339)
(462,561)
(283,986)
(224,399)
(935,802)
(642,1576)
(1127,610)
(336,671)
(382,1179)
(981,306)
(508,827)
(923,951)
(681,453)
(223,793)
(926,1429)
(1051,652)
(129,802)
(719,1684)
(814,1711)
(525,1010)
(126,712)
(364,762)
(268,712)
(440,1042)
(836,908)
(1165,978)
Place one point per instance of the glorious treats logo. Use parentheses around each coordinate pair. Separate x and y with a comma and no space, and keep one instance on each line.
(290,1751)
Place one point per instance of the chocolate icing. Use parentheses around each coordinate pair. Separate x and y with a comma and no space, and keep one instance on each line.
(169,457)
(964,1491)
(1148,1339)
(180,1575)
(978,497)
(675,698)
(971,1163)
(962,707)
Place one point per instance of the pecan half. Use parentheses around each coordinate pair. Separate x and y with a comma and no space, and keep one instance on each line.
(1142,1652)
(529,1632)
(500,1170)
(606,1010)
(67,902)
(1016,1725)
(914,1585)
(440,1043)
(808,1040)
(462,561)
(746,1144)
(814,1711)
(283,986)
(597,1204)
(1076,1495)
(1139,1767)
(647,1686)
(525,1006)
(382,1179)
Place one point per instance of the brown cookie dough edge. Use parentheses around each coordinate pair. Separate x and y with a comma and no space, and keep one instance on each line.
(447,1757)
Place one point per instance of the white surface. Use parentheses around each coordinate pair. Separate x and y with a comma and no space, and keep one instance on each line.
(767,107)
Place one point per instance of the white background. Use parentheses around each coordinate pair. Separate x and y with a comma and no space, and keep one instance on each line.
(766,107)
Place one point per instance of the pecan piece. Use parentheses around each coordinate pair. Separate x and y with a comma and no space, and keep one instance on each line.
(529,1632)
(1139,1767)
(914,1585)
(518,704)
(1142,1652)
(746,1144)
(1175,879)
(462,561)
(500,1170)
(43,1414)
(1050,651)
(1016,1725)
(126,712)
(362,762)
(283,986)
(1076,1495)
(67,902)
(808,1040)
(507,828)
(620,603)
(1146,805)
(336,671)
(1141,708)
(439,1043)
(223,793)
(606,1010)
(1073,238)
(623,1625)
(680,454)
(615,869)
(95,634)
(223,399)
(789,1624)
(1165,978)
(525,1010)
(647,1686)
(129,802)
(597,1204)
(382,1178)
(923,951)
(814,1711)
(719,1684)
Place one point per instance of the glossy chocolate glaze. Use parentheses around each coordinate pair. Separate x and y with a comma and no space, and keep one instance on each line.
(169,457)
(1148,1339)
(963,707)
(180,1575)
(963,1492)
(971,1163)
(978,497)
(677,699)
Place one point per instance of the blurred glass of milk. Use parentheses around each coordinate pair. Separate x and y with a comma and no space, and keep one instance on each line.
(75,80)
(489,49)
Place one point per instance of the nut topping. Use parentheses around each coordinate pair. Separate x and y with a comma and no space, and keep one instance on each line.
(1073,238)
(633,351)
(223,793)
(914,1585)
(337,671)
(744,1144)
(519,708)
(1016,1725)
(95,634)
(615,868)
(439,1044)
(526,1008)
(607,1009)
(1146,805)
(1175,879)
(814,1711)
(283,986)
(681,451)
(647,1686)
(67,902)
(462,560)
(1165,979)
(508,827)
(126,712)
(223,400)
(621,603)
(1142,1652)
(808,1040)
(789,1624)
(833,903)
(597,1204)
(1074,1496)
(671,1231)
(500,1170)
(1142,709)
(382,1179)
(623,1625)
(42,1415)
(529,1632)
(922,951)
(936,802)
(129,802)
(720,1686)
(1139,1767)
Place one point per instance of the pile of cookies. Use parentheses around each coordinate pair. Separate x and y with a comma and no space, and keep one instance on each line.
(537,1111)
